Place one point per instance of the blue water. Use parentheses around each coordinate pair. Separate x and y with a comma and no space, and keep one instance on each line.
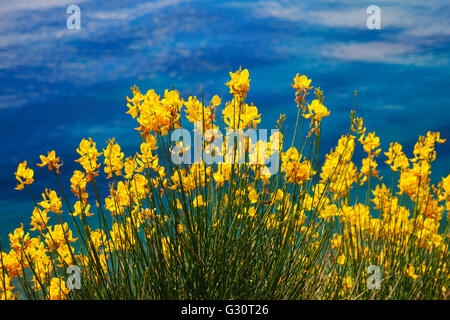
(58,86)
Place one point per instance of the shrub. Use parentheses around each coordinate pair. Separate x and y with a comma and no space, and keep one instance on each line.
(305,228)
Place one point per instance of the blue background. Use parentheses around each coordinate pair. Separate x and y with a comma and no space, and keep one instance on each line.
(58,86)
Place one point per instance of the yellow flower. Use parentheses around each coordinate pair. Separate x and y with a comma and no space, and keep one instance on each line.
(301,82)
(122,235)
(5,284)
(88,160)
(317,111)
(370,143)
(341,260)
(52,203)
(39,219)
(215,101)
(445,184)
(180,228)
(336,241)
(239,83)
(18,239)
(408,182)
(56,238)
(329,211)
(358,126)
(113,159)
(80,207)
(131,166)
(78,182)
(410,272)
(179,205)
(396,158)
(58,289)
(424,148)
(51,160)
(153,114)
(240,115)
(23,173)
(279,195)
(133,108)
(215,225)
(198,201)
(199,115)
(222,174)
(368,167)
(296,171)
(146,156)
(253,196)
(348,283)
(98,238)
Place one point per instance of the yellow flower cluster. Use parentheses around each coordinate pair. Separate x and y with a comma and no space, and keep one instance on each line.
(51,161)
(155,115)
(239,115)
(239,82)
(296,171)
(24,175)
(157,213)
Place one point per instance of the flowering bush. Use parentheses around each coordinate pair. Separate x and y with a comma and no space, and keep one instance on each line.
(314,229)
